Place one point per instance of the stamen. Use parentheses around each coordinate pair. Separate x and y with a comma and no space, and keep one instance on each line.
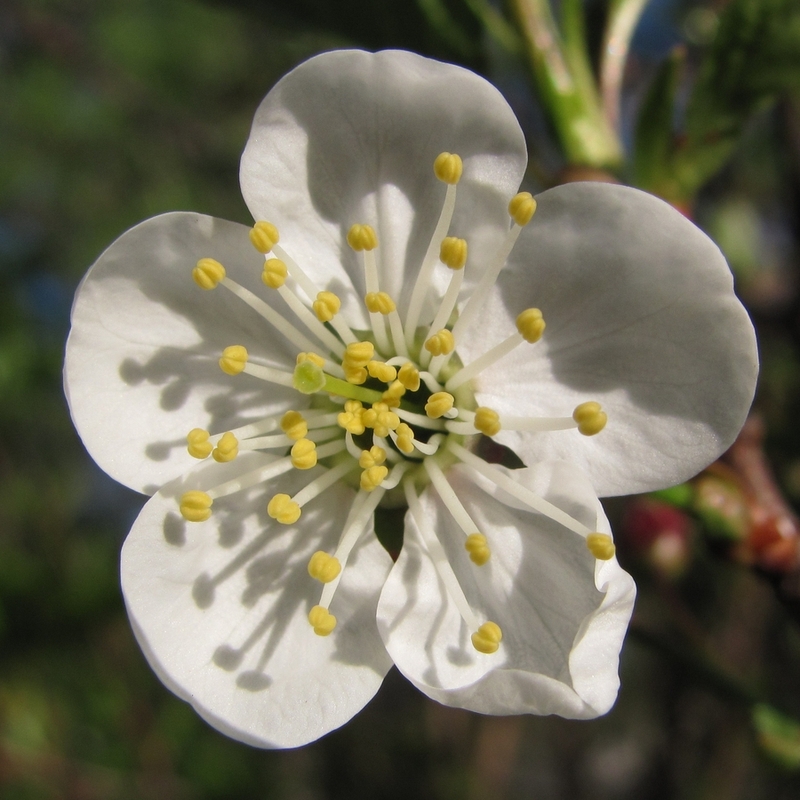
(381,419)
(486,637)
(264,236)
(322,621)
(601,546)
(382,371)
(279,322)
(326,306)
(208,273)
(529,498)
(408,375)
(351,419)
(283,509)
(439,404)
(487,421)
(589,418)
(440,343)
(294,425)
(282,441)
(310,321)
(419,420)
(312,291)
(304,454)
(477,548)
(324,481)
(448,169)
(403,437)
(396,475)
(362,239)
(372,478)
(234,361)
(361,513)
(530,327)
(198,443)
(227,448)
(324,567)
(375,456)
(195,506)
(521,208)
(454,255)
(431,382)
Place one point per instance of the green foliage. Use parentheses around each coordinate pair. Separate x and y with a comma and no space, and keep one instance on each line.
(754,59)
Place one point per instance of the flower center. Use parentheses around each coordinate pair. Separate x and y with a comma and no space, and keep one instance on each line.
(387,410)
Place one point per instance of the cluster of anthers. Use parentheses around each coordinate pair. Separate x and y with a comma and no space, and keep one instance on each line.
(386,409)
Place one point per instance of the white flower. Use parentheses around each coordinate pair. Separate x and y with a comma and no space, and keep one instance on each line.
(496,603)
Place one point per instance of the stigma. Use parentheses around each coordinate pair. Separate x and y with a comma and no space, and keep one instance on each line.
(386,410)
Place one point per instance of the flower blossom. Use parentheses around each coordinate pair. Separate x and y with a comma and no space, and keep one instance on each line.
(398,315)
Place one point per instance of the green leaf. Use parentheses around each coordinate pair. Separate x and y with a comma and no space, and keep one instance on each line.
(755,57)
(778,736)
(654,140)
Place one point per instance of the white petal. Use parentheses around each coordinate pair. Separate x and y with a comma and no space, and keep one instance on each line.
(562,614)
(351,137)
(641,317)
(220,609)
(141,367)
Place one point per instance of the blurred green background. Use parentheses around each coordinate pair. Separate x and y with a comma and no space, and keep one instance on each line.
(111,112)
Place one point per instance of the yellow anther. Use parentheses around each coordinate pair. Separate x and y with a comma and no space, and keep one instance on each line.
(383,372)
(304,454)
(372,478)
(448,168)
(351,418)
(283,509)
(487,421)
(453,252)
(294,425)
(441,343)
(478,549)
(487,638)
(531,325)
(362,237)
(379,303)
(393,394)
(355,375)
(359,354)
(590,417)
(405,438)
(324,567)
(198,444)
(601,546)
(373,457)
(312,357)
(409,376)
(208,273)
(439,403)
(322,621)
(195,506)
(326,306)
(227,448)
(380,419)
(274,274)
(264,236)
(234,359)
(522,208)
